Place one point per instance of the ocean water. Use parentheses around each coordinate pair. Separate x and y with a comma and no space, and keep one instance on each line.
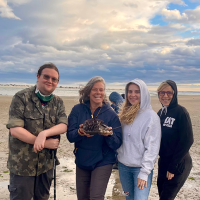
(11,90)
(70,92)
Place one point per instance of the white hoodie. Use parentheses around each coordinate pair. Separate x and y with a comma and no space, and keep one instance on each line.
(141,139)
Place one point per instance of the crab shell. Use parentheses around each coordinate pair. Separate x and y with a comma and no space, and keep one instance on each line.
(95,126)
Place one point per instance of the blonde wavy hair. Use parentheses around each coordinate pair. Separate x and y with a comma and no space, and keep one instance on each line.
(128,112)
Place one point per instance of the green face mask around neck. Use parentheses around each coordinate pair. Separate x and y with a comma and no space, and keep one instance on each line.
(45,98)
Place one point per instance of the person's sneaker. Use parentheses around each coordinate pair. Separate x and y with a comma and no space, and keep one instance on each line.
(115,166)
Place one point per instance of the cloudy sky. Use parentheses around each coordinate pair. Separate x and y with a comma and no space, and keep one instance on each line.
(119,40)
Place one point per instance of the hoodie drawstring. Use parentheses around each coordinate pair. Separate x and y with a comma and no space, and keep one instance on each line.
(164,108)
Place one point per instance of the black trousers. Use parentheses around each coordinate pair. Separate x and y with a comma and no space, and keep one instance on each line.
(91,185)
(168,189)
(28,187)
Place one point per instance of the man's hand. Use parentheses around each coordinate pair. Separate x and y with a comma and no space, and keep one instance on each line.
(141,184)
(40,141)
(51,143)
(169,175)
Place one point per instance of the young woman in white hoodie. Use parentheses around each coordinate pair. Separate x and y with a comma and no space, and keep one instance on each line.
(141,141)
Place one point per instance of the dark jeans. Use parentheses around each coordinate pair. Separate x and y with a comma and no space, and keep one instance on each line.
(91,185)
(28,187)
(168,189)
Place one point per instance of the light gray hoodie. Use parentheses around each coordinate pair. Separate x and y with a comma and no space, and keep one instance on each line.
(141,139)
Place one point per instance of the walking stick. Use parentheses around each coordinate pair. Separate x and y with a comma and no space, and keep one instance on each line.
(54,165)
(54,172)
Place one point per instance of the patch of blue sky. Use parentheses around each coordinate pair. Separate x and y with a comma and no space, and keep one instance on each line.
(188,34)
(15,77)
(158,20)
(181,8)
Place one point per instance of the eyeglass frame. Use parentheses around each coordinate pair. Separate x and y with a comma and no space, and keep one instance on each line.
(169,93)
(47,77)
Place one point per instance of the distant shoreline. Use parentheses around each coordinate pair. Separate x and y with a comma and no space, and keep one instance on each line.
(78,87)
(14,85)
(68,87)
(11,89)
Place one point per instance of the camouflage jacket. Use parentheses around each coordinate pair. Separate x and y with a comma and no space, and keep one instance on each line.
(26,111)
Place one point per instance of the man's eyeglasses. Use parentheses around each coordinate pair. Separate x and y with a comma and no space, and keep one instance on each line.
(162,93)
(47,77)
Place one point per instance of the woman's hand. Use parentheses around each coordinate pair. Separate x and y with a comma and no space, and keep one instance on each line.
(169,175)
(82,131)
(109,133)
(141,184)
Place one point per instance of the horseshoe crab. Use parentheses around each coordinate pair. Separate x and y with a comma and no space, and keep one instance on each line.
(95,126)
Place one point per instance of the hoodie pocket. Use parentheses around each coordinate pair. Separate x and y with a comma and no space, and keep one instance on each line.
(180,167)
(87,159)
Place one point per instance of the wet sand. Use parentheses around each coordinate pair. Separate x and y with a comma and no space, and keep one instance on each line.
(66,188)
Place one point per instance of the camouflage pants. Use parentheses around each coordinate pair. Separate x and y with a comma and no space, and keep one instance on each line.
(30,187)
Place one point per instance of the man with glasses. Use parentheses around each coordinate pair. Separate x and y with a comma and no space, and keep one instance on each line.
(36,117)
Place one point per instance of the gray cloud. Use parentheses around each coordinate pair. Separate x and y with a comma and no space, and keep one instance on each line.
(179,2)
(193,42)
(18,2)
(189,16)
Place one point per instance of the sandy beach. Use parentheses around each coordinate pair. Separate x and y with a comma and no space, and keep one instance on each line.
(66,188)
